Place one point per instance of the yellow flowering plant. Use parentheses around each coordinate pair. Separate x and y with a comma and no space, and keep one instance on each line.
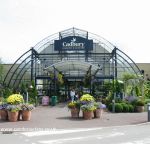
(87,98)
(15,99)
(75,104)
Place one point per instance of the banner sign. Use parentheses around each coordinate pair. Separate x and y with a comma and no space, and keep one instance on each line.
(73,43)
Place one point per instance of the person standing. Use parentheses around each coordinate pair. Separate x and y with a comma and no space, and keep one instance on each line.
(72,95)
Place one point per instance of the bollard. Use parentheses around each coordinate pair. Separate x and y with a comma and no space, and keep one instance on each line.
(113,106)
(148,110)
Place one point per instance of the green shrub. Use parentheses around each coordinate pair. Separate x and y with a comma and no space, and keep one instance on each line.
(131,108)
(110,107)
(125,107)
(147,101)
(118,107)
(140,103)
(134,102)
(118,100)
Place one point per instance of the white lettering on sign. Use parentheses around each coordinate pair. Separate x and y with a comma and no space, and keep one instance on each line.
(73,44)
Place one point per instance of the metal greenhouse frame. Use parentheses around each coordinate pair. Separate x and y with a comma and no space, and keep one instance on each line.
(45,61)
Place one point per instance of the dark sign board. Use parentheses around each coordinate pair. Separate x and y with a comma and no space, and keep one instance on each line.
(73,43)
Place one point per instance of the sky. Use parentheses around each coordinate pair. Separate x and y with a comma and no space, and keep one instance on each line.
(125,23)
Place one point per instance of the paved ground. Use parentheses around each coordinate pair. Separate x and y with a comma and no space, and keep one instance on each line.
(59,117)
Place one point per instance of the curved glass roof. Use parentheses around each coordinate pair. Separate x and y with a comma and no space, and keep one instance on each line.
(39,47)
(103,60)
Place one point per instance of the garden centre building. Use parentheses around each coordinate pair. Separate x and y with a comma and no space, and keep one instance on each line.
(71,58)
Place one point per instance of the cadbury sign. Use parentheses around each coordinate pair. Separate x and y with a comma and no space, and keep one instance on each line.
(73,43)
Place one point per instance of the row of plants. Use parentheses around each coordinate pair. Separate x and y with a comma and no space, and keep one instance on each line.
(88,105)
(24,89)
(122,106)
(13,108)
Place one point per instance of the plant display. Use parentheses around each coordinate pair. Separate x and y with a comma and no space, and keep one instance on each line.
(74,104)
(99,105)
(27,106)
(147,89)
(60,78)
(140,103)
(88,107)
(118,107)
(6,92)
(57,77)
(3,106)
(15,99)
(131,108)
(32,93)
(125,107)
(86,98)
(13,108)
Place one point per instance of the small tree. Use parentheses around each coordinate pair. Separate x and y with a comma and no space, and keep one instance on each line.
(128,81)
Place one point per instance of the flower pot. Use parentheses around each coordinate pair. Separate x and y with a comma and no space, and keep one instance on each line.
(140,108)
(87,115)
(4,114)
(98,113)
(75,112)
(12,116)
(20,115)
(26,115)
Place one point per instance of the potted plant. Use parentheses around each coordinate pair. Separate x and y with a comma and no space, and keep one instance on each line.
(15,99)
(74,108)
(88,111)
(99,109)
(3,111)
(87,99)
(140,105)
(26,109)
(14,102)
(13,111)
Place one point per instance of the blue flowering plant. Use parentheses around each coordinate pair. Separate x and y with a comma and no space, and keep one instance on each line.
(3,106)
(27,107)
(13,108)
(88,107)
(99,105)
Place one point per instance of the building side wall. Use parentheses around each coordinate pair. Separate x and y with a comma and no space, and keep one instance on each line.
(146,68)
